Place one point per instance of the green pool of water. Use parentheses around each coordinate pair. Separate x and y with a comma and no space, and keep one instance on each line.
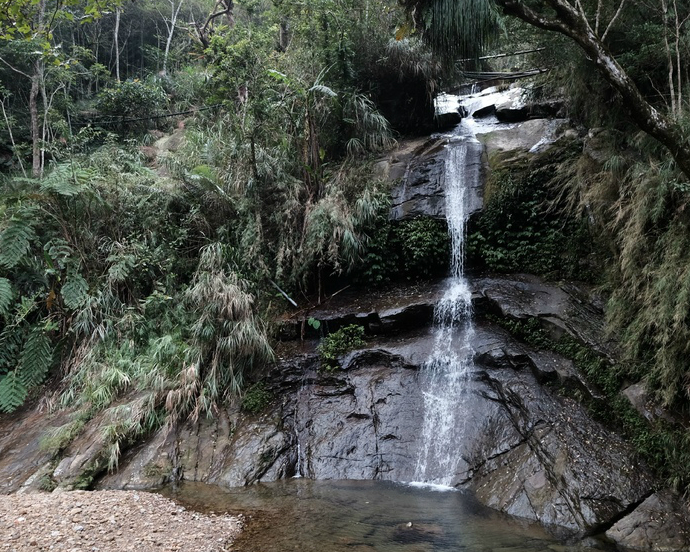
(358,516)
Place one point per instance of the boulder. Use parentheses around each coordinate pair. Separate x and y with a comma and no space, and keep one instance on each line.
(659,524)
(530,136)
(521,109)
(486,111)
(448,120)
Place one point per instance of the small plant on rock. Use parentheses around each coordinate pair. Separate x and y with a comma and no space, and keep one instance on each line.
(256,398)
(338,343)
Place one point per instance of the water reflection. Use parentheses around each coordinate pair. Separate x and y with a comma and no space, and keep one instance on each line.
(357,516)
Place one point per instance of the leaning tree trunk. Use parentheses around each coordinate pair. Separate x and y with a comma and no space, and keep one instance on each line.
(571,22)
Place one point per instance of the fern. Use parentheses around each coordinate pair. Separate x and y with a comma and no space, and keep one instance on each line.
(59,251)
(11,340)
(66,179)
(122,267)
(75,291)
(6,296)
(12,392)
(36,358)
(16,238)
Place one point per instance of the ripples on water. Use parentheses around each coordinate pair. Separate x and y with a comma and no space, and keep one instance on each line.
(358,516)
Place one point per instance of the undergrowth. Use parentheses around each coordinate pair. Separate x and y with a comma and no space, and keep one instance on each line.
(522,228)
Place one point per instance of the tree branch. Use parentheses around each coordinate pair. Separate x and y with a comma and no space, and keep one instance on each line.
(613,20)
(22,73)
(573,25)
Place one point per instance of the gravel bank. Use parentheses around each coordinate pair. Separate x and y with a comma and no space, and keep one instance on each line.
(108,521)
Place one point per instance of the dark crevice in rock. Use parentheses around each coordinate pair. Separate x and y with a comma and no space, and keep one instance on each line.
(603,527)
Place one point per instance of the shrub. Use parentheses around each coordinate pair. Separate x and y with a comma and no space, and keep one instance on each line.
(425,247)
(522,229)
(132,99)
(338,343)
(256,398)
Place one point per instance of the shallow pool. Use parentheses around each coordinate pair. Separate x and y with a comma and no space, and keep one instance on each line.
(356,516)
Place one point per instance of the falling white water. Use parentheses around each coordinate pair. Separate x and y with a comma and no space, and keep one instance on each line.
(445,374)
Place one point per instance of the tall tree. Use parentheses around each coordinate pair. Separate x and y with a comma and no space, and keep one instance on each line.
(170,24)
(35,21)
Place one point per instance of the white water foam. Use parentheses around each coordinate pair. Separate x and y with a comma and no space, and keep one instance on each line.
(445,374)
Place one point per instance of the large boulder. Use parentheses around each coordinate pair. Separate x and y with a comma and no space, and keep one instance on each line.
(659,524)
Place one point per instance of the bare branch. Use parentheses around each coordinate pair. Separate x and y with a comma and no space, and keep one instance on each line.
(14,68)
(613,20)
(9,130)
(598,17)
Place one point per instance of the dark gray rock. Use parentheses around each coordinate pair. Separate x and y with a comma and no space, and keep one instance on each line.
(659,524)
(421,191)
(482,112)
(558,467)
(562,309)
(361,423)
(514,112)
(448,120)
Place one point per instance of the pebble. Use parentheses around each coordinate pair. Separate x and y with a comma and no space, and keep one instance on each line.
(75,522)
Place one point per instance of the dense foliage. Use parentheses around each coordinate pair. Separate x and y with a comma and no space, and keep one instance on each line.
(140,274)
(524,226)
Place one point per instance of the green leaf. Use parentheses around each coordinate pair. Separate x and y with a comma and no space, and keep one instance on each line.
(6,296)
(36,358)
(16,239)
(67,179)
(11,340)
(75,291)
(314,323)
(12,392)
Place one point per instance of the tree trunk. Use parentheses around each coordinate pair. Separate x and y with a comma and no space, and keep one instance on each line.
(116,41)
(174,12)
(572,23)
(35,130)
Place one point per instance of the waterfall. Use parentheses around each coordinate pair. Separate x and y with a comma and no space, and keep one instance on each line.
(445,375)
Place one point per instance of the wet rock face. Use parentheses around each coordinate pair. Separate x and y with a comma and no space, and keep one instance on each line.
(559,466)
(421,191)
(660,524)
(360,423)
